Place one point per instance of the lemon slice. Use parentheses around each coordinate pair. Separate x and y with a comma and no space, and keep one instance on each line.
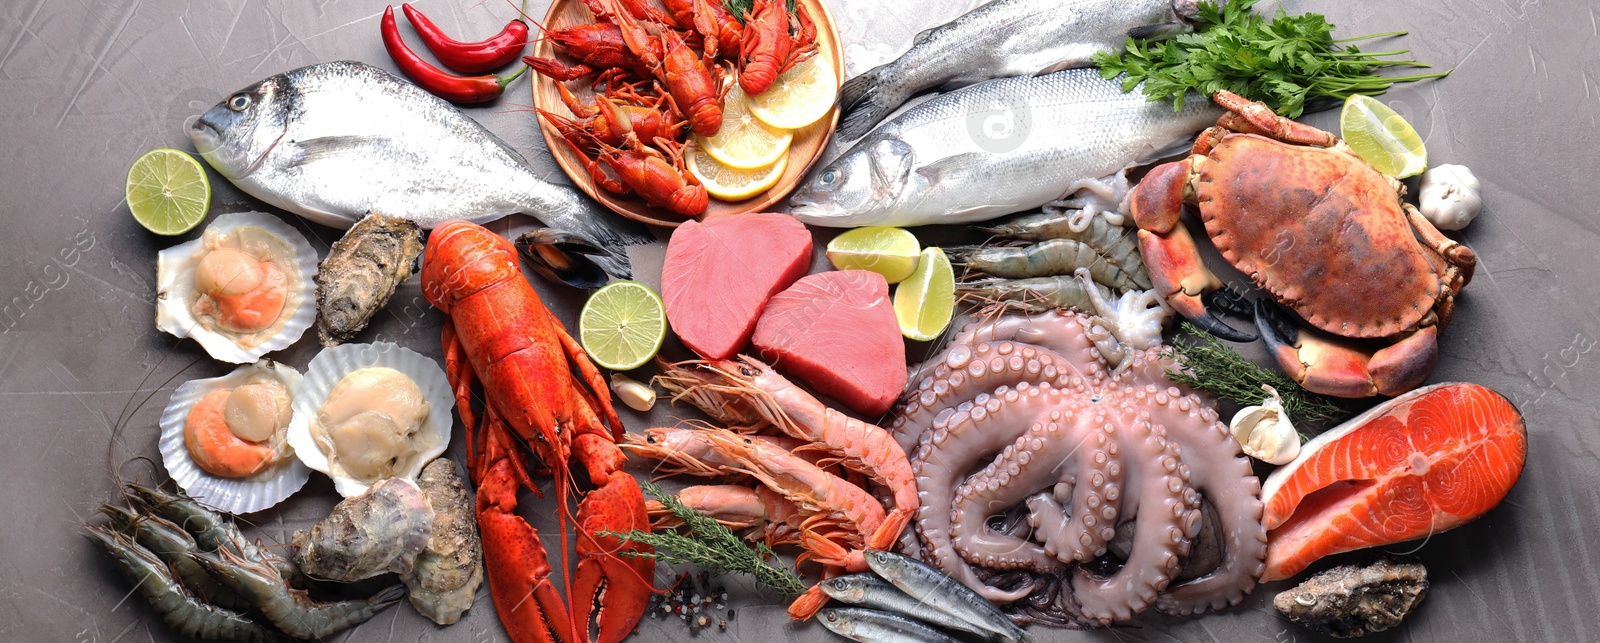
(732,184)
(622,325)
(799,97)
(168,192)
(891,252)
(924,302)
(1381,137)
(744,142)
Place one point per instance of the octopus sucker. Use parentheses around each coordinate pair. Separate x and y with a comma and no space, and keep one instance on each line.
(1126,479)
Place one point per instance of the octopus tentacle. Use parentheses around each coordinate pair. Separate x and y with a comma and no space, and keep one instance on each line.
(1057,332)
(952,447)
(1221,473)
(967,371)
(1050,454)
(1166,513)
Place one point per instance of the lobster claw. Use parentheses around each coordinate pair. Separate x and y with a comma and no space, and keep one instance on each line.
(622,583)
(561,256)
(518,568)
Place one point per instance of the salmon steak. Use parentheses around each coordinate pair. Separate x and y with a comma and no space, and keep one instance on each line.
(1424,462)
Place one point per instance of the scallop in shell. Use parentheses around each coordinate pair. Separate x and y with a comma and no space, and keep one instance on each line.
(243,289)
(283,476)
(368,412)
(376,532)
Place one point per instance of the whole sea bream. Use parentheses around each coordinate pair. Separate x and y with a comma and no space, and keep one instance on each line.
(994,148)
(334,141)
(1004,38)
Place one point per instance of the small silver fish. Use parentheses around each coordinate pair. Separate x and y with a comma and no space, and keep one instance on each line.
(360,273)
(926,583)
(996,147)
(873,626)
(334,141)
(1005,38)
(867,590)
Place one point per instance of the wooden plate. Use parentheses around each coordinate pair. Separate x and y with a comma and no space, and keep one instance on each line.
(807,147)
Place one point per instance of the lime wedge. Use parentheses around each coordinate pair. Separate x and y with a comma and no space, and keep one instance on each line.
(622,325)
(799,97)
(1381,137)
(891,252)
(924,302)
(168,192)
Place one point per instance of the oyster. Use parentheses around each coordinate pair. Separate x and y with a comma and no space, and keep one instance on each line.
(1353,601)
(361,272)
(242,290)
(379,531)
(447,574)
(367,412)
(234,453)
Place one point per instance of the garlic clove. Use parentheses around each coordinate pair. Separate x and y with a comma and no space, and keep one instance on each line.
(1264,431)
(638,396)
(1448,197)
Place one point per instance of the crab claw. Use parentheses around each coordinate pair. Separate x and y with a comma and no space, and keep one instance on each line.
(1170,254)
(1323,365)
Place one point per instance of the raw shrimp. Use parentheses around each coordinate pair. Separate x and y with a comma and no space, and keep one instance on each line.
(1116,243)
(172,545)
(211,532)
(772,518)
(1043,259)
(182,612)
(289,609)
(1035,295)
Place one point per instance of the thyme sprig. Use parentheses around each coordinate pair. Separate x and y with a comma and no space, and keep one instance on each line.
(1282,62)
(1208,365)
(711,546)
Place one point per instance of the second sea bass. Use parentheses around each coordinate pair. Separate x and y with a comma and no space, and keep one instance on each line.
(994,148)
(1004,38)
(334,141)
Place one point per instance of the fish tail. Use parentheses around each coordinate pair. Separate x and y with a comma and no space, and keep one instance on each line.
(865,100)
(564,208)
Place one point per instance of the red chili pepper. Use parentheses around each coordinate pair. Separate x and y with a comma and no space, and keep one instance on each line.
(456,89)
(471,57)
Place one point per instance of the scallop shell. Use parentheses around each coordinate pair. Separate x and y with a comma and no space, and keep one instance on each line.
(233,495)
(376,532)
(331,365)
(175,285)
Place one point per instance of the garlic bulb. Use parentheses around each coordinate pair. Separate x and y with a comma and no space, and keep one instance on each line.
(638,396)
(1264,431)
(1448,197)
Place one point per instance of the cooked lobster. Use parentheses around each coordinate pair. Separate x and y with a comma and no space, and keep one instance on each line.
(540,390)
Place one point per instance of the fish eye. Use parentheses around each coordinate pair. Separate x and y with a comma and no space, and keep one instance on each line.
(828,176)
(239,102)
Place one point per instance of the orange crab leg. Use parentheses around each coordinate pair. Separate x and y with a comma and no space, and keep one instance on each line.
(1177,272)
(1325,365)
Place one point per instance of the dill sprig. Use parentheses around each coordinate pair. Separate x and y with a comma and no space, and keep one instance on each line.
(1209,366)
(711,546)
(1283,62)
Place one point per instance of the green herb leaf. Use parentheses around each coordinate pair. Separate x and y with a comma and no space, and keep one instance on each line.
(1282,62)
(1207,365)
(710,546)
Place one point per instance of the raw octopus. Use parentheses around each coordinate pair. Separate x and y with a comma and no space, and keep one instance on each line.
(1087,450)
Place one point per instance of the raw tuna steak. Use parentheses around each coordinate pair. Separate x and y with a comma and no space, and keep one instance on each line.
(719,274)
(1424,462)
(836,331)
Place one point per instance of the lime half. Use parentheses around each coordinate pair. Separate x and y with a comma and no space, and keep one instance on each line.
(168,192)
(1381,137)
(622,325)
(924,302)
(891,252)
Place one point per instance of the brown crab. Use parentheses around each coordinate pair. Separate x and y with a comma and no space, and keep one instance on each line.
(1322,231)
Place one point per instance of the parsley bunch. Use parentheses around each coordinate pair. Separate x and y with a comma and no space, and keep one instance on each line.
(1282,63)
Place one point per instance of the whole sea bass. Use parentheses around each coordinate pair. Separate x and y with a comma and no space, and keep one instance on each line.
(994,148)
(1005,38)
(334,141)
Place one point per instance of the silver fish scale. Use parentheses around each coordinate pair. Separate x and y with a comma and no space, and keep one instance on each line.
(1008,145)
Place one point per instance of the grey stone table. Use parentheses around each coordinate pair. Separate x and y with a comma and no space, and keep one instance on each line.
(86,87)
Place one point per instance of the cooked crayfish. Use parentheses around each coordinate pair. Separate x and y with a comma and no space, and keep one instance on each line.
(540,390)
(657,176)
(695,90)
(775,40)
